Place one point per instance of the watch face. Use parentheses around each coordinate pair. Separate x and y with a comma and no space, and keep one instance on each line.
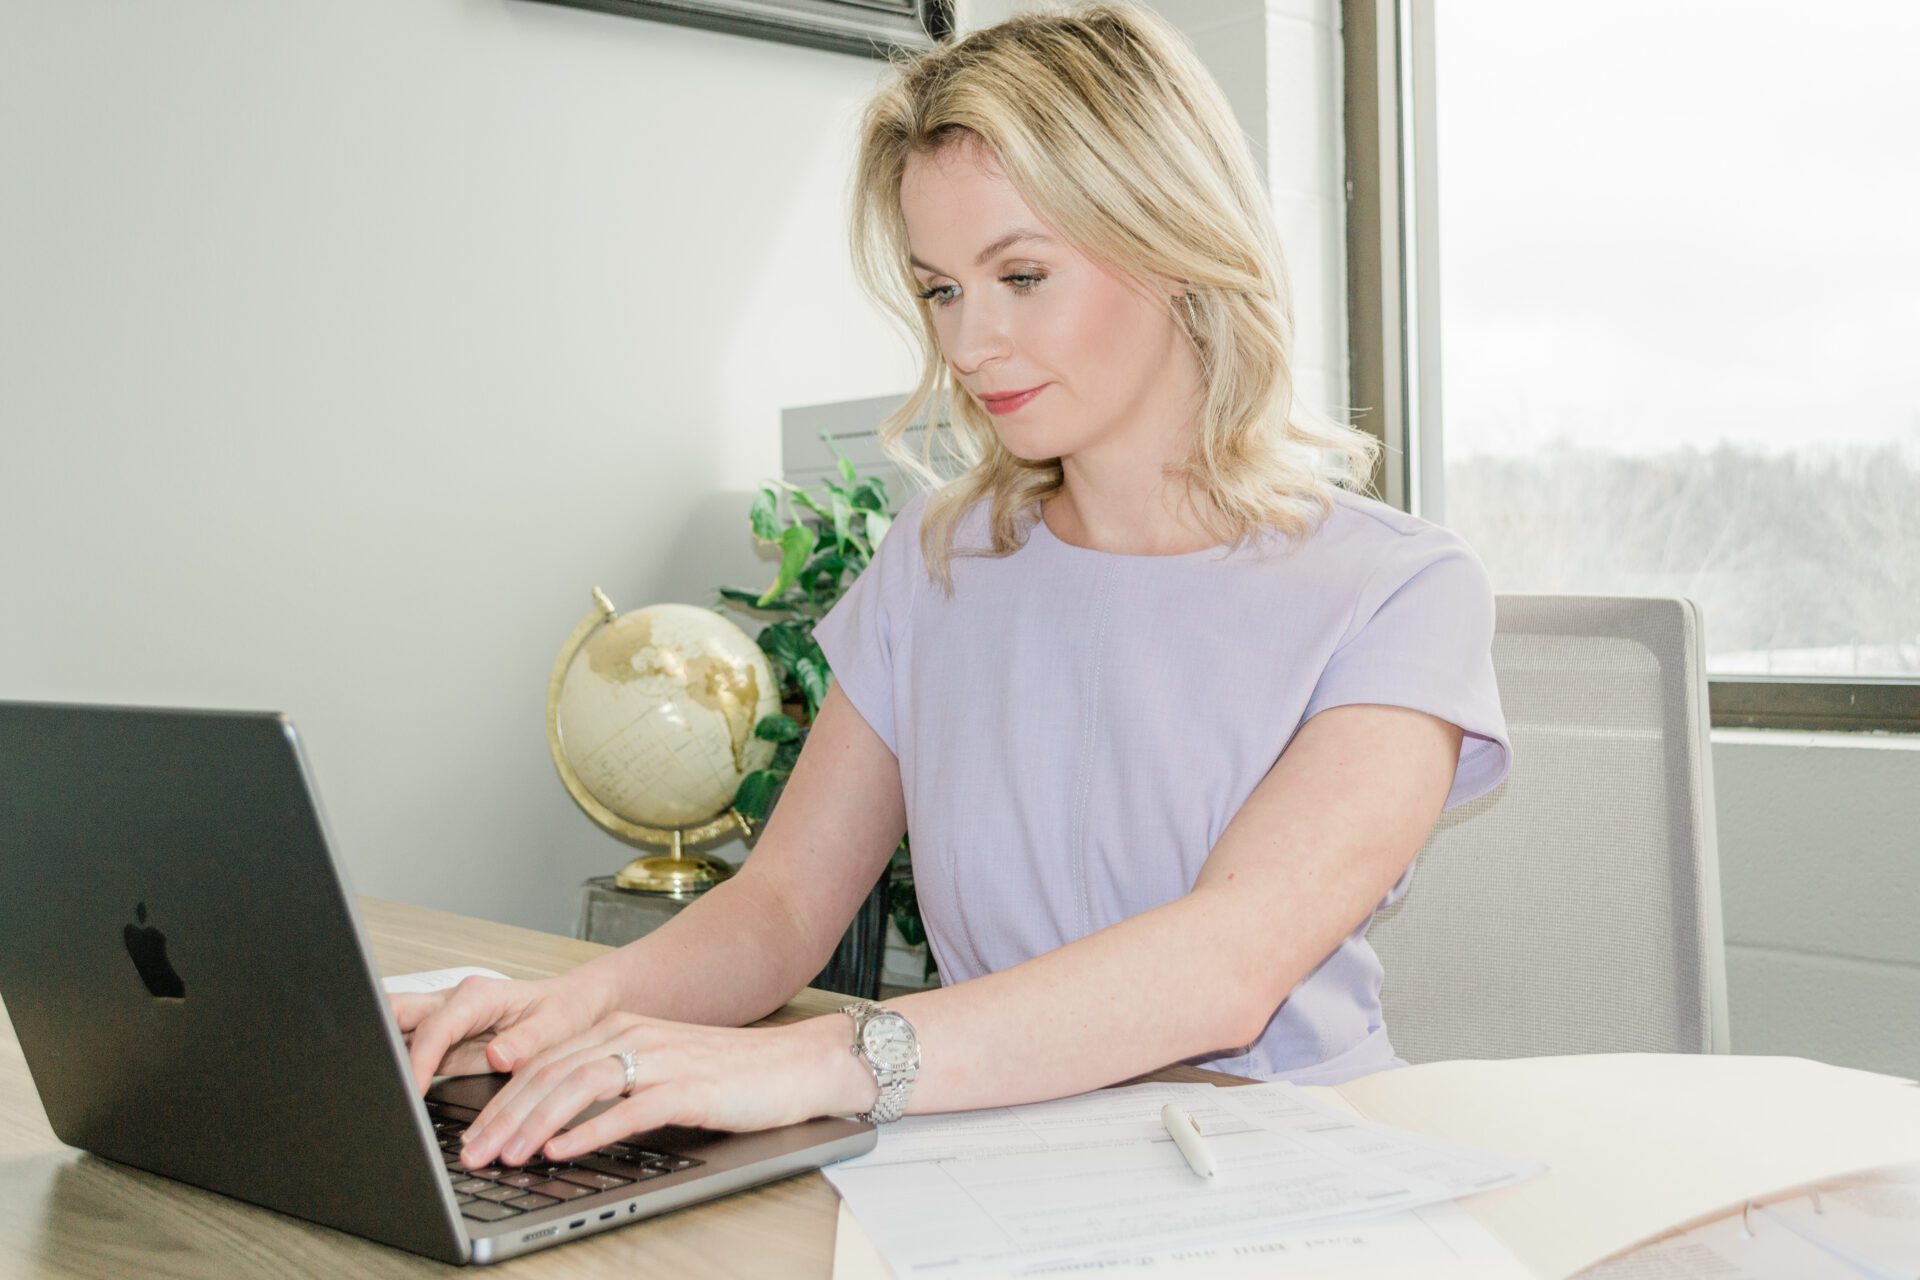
(897,1054)
(888,1041)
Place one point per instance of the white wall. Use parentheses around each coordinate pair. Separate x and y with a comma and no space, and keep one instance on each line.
(348,345)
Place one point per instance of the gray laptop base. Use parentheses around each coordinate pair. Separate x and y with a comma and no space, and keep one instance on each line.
(194,994)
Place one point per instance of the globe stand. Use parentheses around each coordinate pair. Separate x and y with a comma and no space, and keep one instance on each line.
(679,872)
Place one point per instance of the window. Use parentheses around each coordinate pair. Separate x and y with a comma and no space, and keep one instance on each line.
(1657,293)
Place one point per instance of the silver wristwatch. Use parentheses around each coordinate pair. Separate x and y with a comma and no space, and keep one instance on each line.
(886,1041)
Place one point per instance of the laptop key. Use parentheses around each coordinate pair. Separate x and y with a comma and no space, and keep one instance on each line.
(619,1169)
(592,1180)
(637,1159)
(532,1200)
(561,1190)
(463,1199)
(609,1159)
(499,1193)
(521,1179)
(487,1211)
(468,1186)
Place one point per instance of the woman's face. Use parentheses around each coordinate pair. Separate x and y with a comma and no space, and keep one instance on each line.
(1118,374)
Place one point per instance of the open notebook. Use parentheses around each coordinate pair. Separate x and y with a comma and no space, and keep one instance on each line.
(1638,1144)
(1861,1227)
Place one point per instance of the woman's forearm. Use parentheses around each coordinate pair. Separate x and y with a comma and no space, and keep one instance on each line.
(731,957)
(1150,990)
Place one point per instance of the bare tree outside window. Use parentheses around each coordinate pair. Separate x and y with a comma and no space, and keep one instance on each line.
(1680,312)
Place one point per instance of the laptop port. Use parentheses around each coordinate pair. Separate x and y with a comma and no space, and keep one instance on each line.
(606,1215)
(577,1222)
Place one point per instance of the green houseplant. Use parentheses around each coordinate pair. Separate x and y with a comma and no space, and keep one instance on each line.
(826,536)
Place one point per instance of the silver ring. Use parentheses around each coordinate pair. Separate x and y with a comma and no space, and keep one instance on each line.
(630,1060)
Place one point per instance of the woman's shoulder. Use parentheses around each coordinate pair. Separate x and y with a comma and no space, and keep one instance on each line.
(1357,516)
(1384,552)
(903,530)
(1363,532)
(971,528)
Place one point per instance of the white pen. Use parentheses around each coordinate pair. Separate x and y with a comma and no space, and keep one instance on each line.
(1186,1136)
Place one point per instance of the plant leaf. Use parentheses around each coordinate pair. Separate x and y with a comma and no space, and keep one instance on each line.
(745,597)
(805,499)
(813,675)
(847,473)
(754,799)
(764,517)
(877,526)
(842,519)
(904,906)
(785,642)
(778,727)
(796,544)
(869,495)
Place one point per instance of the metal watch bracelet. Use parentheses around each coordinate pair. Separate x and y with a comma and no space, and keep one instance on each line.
(894,1078)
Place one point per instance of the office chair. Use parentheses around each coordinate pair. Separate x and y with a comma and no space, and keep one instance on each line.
(1575,908)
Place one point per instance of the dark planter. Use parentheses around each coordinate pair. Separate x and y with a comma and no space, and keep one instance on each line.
(854,969)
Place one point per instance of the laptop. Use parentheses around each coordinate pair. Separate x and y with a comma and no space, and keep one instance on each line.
(194,994)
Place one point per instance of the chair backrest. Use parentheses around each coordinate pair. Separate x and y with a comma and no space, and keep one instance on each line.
(1575,908)
(854,428)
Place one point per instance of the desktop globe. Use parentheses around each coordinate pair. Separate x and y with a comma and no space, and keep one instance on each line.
(650,717)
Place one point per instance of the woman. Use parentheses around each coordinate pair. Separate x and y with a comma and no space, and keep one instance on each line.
(1170,713)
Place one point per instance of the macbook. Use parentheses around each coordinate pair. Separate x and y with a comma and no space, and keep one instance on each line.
(194,994)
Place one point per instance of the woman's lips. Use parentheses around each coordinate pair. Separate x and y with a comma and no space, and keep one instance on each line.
(1007,404)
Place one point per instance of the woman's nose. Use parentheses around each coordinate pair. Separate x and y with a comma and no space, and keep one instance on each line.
(979,335)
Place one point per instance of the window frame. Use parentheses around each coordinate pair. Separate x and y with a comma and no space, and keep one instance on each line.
(1393,339)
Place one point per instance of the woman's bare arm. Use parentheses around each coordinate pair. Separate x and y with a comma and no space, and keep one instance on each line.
(746,946)
(1313,850)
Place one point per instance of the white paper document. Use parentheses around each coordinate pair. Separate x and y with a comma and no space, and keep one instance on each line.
(435,979)
(1032,1189)
(1438,1242)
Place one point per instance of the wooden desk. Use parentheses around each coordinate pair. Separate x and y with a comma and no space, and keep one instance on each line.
(70,1214)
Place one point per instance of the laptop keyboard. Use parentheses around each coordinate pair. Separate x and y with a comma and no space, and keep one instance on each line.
(504,1191)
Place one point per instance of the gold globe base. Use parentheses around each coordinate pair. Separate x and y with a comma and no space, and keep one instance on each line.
(682,876)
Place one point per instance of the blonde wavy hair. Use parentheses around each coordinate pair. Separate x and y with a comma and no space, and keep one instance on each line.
(1108,125)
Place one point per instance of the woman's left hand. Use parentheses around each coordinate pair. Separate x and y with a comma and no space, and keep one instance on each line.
(731,1078)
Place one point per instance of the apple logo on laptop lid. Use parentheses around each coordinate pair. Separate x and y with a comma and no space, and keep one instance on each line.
(148,947)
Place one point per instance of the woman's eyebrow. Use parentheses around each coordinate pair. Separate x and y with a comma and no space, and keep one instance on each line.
(1011,238)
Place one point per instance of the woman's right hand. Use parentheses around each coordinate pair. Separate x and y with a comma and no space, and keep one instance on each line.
(491,1024)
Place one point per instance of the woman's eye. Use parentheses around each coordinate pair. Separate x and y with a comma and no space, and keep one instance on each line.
(1022,283)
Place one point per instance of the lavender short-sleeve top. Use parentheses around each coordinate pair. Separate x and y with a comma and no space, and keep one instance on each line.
(1076,728)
